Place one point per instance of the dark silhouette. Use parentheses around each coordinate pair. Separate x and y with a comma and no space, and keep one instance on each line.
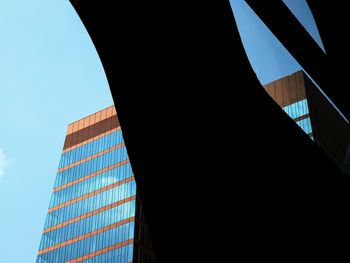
(221,170)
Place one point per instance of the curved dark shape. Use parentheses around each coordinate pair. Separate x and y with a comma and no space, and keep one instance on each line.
(332,20)
(326,69)
(220,174)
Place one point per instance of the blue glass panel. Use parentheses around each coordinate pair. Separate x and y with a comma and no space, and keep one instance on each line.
(114,256)
(91,166)
(100,220)
(91,244)
(89,224)
(92,203)
(297,109)
(305,124)
(94,183)
(91,148)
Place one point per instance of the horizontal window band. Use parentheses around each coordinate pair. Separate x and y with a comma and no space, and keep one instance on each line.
(92,213)
(113,176)
(102,251)
(91,157)
(90,140)
(101,143)
(87,235)
(96,192)
(58,188)
(89,224)
(302,117)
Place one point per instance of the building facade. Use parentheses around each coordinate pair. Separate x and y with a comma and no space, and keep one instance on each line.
(304,102)
(94,213)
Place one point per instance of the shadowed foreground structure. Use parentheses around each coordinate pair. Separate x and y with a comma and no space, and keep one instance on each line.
(312,111)
(221,170)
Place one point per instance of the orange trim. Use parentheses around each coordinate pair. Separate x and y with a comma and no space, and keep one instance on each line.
(102,251)
(90,140)
(91,157)
(93,193)
(302,117)
(90,175)
(87,235)
(92,213)
(91,119)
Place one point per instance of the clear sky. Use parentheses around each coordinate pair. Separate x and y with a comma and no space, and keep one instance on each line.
(302,12)
(50,76)
(268,57)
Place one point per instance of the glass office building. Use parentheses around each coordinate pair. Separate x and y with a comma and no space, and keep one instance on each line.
(94,206)
(305,103)
(299,112)
(290,93)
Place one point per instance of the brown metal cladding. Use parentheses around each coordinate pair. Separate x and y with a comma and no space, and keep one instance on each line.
(331,131)
(294,93)
(302,117)
(296,90)
(287,90)
(81,135)
(90,140)
(279,93)
(91,119)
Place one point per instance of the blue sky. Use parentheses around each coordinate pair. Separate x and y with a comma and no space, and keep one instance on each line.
(303,13)
(50,76)
(269,59)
